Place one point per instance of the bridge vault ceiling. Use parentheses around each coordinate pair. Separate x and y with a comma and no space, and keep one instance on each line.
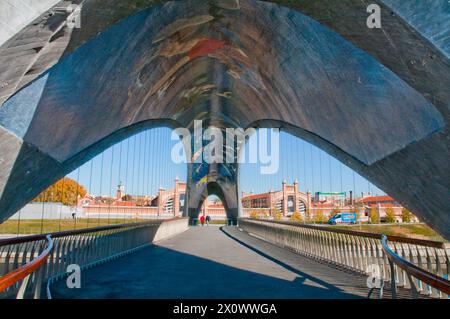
(230,63)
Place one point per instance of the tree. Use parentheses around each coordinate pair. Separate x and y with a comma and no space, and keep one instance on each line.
(373,215)
(127,198)
(66,191)
(406,215)
(277,214)
(108,201)
(319,217)
(334,212)
(359,212)
(297,217)
(141,202)
(254,214)
(390,215)
(307,215)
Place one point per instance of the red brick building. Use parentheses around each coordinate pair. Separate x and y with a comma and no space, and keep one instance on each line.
(169,203)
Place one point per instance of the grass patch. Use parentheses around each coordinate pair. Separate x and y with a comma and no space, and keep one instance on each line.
(36,226)
(418,231)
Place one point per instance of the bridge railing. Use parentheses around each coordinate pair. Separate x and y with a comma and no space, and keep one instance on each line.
(365,253)
(416,275)
(28,262)
(31,272)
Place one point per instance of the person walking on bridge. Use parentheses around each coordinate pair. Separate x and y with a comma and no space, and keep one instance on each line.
(207,219)
(202,219)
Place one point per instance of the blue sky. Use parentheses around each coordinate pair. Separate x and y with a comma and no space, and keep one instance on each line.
(143,163)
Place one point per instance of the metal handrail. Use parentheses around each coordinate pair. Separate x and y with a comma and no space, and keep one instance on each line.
(25,271)
(360,251)
(399,239)
(84,247)
(433,280)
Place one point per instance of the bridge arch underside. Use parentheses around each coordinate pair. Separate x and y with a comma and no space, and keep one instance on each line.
(234,64)
(224,193)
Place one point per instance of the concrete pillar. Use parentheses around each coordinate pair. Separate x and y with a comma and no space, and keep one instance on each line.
(205,206)
(212,183)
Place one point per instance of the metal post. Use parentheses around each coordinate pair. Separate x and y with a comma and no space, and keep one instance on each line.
(393,280)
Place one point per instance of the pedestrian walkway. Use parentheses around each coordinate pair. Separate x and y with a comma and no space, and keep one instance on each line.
(213,262)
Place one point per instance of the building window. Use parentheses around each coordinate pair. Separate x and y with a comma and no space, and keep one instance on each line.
(290,204)
(182,201)
(301,207)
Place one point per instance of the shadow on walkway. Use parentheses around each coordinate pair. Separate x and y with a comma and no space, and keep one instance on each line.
(160,272)
(281,263)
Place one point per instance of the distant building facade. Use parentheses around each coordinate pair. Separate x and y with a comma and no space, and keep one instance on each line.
(381,205)
(168,203)
(165,204)
(285,201)
(336,198)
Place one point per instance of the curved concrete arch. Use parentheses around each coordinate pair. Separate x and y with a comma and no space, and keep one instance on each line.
(160,63)
(364,89)
(215,188)
(416,176)
(30,171)
(411,42)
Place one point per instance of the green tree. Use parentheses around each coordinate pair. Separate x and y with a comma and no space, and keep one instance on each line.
(406,215)
(390,215)
(66,191)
